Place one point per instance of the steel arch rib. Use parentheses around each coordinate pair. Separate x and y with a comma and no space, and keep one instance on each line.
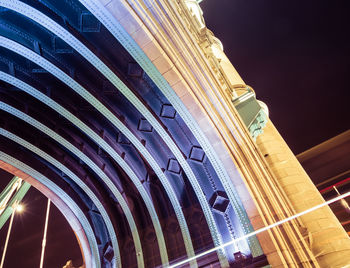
(66,199)
(86,160)
(118,31)
(17,48)
(55,28)
(89,132)
(68,172)
(9,44)
(97,63)
(79,182)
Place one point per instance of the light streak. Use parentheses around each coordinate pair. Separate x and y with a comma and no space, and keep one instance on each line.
(343,201)
(334,185)
(262,230)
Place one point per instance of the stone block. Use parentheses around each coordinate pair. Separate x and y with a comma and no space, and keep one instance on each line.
(250,208)
(275,260)
(340,245)
(130,23)
(152,50)
(181,88)
(291,171)
(163,64)
(257,222)
(279,172)
(117,9)
(172,76)
(142,37)
(290,189)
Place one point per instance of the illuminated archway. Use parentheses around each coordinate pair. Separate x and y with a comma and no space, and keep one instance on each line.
(80,100)
(71,211)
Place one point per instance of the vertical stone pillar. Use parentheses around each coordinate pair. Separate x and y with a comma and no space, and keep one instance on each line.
(329,242)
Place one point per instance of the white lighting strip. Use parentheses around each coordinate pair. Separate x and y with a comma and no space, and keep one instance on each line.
(58,30)
(262,229)
(93,166)
(90,133)
(27,53)
(45,64)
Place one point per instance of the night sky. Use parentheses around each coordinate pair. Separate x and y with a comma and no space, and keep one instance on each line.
(295,54)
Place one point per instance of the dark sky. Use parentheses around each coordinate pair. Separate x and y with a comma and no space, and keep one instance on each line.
(295,54)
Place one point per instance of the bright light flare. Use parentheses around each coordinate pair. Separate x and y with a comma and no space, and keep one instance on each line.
(19,208)
(340,197)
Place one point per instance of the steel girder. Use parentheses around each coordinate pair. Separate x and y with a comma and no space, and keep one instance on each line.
(108,126)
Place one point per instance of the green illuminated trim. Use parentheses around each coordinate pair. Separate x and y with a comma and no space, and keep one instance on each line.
(17,197)
(8,188)
(251,112)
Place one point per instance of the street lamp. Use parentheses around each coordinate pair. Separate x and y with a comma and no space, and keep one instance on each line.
(19,208)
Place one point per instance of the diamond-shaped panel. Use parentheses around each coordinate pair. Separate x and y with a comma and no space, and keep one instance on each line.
(168,111)
(173,166)
(108,252)
(219,202)
(144,126)
(89,23)
(197,154)
(122,139)
(134,69)
(60,46)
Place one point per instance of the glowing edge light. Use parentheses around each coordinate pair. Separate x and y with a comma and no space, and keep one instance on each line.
(262,229)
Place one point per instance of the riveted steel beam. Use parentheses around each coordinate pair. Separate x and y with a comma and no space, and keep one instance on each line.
(92,165)
(27,53)
(118,31)
(55,28)
(85,52)
(65,198)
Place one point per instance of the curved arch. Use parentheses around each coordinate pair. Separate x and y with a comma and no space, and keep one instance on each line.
(89,132)
(121,34)
(95,61)
(21,50)
(61,167)
(99,11)
(94,260)
(204,170)
(91,164)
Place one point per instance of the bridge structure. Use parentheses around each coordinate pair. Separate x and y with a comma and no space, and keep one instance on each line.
(129,116)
